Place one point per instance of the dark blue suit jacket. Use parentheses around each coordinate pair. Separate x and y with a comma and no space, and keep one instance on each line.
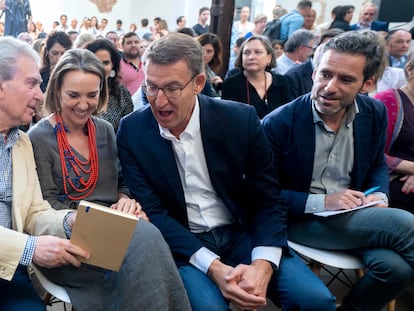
(240,165)
(291,132)
(375,25)
(300,78)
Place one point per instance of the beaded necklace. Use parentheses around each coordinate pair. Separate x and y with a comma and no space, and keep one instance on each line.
(69,160)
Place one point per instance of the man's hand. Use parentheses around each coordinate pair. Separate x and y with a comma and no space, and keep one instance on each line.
(254,278)
(346,199)
(228,278)
(51,251)
(408,184)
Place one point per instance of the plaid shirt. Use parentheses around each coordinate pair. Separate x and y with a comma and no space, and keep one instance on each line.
(6,191)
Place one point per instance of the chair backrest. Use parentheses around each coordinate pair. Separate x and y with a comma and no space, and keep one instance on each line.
(55,290)
(336,259)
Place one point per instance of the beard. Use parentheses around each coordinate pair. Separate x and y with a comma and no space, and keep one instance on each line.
(131,55)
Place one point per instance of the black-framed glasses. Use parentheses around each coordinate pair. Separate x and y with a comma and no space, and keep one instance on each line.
(169,91)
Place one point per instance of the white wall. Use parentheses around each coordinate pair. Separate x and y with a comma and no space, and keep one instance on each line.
(132,11)
(129,11)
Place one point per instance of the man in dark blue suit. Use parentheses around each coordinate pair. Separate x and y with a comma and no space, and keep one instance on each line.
(329,149)
(300,77)
(203,171)
(366,19)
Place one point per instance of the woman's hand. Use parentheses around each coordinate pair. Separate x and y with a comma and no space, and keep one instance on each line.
(408,184)
(130,206)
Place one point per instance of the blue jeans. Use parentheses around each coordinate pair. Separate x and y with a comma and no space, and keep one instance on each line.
(293,286)
(19,294)
(382,237)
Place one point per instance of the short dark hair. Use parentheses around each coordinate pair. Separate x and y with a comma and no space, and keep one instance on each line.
(204,8)
(357,43)
(187,30)
(129,34)
(304,4)
(144,22)
(179,18)
(330,33)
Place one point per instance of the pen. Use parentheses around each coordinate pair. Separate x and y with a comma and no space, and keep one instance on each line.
(371,190)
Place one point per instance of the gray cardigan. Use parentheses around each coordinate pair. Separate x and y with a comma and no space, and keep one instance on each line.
(50,173)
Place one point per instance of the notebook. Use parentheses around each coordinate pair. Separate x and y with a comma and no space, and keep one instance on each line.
(105,233)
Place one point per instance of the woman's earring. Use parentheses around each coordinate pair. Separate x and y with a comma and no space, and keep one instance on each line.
(112,74)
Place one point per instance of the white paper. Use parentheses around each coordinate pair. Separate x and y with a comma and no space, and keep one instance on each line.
(332,213)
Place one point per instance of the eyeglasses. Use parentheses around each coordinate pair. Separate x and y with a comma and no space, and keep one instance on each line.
(171,92)
(308,46)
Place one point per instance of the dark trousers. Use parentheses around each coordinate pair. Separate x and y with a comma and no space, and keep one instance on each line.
(19,294)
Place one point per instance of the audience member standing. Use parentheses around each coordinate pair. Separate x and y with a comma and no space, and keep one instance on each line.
(343,17)
(63,23)
(366,19)
(181,22)
(203,21)
(398,43)
(243,25)
(74,25)
(118,28)
(102,27)
(260,21)
(144,29)
(272,29)
(132,74)
(18,13)
(294,20)
(324,26)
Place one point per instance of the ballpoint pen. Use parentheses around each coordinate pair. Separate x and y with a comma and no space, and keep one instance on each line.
(371,190)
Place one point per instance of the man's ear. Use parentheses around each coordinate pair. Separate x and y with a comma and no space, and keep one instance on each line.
(368,86)
(200,81)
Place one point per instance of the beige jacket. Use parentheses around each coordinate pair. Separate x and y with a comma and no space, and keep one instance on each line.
(30,213)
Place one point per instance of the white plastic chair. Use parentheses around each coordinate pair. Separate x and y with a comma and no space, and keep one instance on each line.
(54,290)
(317,258)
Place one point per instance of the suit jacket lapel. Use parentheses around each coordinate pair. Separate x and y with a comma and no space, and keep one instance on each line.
(211,130)
(165,160)
(19,184)
(304,135)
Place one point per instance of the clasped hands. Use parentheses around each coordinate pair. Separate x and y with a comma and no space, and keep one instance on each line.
(349,199)
(245,286)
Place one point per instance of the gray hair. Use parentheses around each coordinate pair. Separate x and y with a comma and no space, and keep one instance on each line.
(11,50)
(356,43)
(298,38)
(175,47)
